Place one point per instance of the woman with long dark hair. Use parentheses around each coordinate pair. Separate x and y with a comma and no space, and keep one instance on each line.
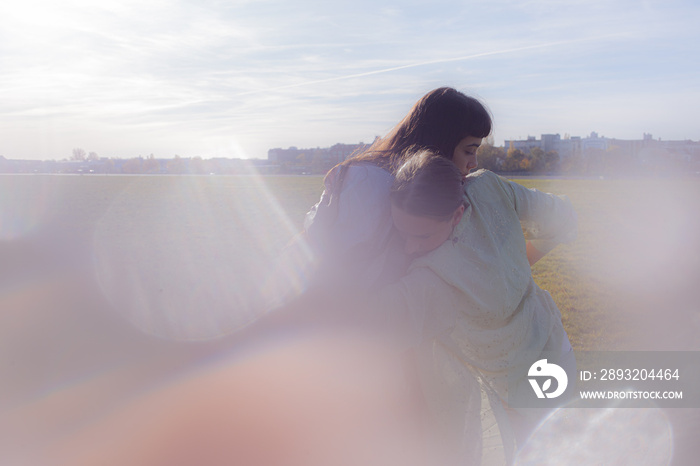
(349,231)
(360,253)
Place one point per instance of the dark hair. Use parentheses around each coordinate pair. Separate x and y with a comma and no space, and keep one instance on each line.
(428,185)
(438,121)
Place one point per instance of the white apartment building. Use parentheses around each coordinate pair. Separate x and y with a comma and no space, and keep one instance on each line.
(648,147)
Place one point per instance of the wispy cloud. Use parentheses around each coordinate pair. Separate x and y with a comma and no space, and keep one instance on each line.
(425,63)
(130,77)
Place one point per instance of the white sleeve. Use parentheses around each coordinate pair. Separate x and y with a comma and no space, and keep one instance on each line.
(547,219)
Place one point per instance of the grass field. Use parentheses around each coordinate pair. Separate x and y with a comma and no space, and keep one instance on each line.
(628,281)
(633,266)
(92,267)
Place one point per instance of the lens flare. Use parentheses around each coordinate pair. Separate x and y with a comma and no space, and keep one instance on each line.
(187,257)
(23,205)
(574,435)
(647,256)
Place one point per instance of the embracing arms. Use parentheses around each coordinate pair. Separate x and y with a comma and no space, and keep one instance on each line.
(547,219)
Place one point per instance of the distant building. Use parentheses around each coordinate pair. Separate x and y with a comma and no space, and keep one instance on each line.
(524,145)
(553,142)
(683,151)
(327,156)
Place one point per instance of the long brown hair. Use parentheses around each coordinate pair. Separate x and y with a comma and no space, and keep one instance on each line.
(438,121)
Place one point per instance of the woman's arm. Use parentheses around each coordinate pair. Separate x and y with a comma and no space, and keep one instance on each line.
(547,219)
(353,210)
(348,232)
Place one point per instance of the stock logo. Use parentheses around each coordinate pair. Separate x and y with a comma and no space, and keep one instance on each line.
(552,371)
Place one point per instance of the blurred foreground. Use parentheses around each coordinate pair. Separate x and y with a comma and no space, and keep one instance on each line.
(121,299)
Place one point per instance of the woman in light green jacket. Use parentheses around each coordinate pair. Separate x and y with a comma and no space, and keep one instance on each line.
(469,301)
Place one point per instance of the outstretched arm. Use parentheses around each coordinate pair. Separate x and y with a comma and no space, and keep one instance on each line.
(547,219)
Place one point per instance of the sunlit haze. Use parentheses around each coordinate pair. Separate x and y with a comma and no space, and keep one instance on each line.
(124,78)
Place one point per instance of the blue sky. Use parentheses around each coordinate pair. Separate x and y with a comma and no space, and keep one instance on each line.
(235,78)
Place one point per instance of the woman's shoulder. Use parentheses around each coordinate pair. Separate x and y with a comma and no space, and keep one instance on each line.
(369,168)
(367,173)
(478,180)
(479,176)
(346,175)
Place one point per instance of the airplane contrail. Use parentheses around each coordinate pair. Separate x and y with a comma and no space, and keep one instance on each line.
(424,63)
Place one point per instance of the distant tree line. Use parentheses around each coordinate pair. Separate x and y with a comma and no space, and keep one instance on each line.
(593,162)
(497,159)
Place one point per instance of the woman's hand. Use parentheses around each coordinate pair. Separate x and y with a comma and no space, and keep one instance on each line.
(533,255)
